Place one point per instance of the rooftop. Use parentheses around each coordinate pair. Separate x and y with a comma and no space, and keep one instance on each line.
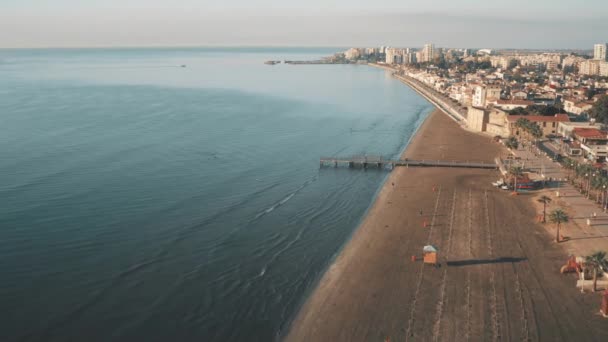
(515,102)
(540,118)
(590,133)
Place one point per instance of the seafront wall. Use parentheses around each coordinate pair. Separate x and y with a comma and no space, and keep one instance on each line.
(438,102)
(427,93)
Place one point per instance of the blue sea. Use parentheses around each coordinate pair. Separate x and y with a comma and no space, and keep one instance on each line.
(146,201)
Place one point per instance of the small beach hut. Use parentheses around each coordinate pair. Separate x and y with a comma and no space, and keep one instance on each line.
(429,253)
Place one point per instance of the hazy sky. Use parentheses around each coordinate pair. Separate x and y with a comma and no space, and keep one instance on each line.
(451,23)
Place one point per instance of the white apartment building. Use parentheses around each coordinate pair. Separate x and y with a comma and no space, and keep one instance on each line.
(589,67)
(484,94)
(604,69)
(427,53)
(572,61)
(599,52)
(352,54)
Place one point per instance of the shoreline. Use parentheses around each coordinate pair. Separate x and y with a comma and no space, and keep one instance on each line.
(372,290)
(420,89)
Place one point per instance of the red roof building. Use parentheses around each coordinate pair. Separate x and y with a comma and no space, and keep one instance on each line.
(548,124)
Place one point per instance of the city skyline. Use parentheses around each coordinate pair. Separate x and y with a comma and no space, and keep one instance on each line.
(81,23)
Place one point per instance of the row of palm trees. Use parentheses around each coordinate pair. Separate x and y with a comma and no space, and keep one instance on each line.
(588,179)
(595,181)
(557,216)
(596,261)
(531,129)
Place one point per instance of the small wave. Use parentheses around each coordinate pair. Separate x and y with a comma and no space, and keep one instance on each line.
(285,199)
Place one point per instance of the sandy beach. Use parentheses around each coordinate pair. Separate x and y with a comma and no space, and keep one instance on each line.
(499,276)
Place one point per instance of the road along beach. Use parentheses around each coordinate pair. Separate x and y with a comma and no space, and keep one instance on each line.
(499,271)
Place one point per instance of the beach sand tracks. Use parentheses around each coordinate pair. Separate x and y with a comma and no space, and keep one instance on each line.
(503,283)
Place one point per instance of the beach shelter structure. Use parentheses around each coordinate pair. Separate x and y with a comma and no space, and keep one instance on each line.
(429,253)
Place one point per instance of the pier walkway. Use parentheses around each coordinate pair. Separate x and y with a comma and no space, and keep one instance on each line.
(382,163)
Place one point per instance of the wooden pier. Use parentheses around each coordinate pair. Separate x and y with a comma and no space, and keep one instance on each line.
(379,162)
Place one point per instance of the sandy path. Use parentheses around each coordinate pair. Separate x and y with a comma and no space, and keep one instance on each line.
(499,279)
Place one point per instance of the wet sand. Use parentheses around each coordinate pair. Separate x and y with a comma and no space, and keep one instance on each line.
(499,276)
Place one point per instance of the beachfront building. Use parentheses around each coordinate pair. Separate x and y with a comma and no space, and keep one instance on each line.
(485,94)
(593,142)
(427,54)
(548,124)
(492,121)
(392,56)
(352,54)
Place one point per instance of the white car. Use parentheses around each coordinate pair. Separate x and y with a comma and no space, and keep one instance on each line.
(504,187)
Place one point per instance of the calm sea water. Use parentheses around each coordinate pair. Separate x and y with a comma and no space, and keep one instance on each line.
(145,201)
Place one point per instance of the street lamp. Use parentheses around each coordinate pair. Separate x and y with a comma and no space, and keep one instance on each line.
(584,186)
(604,197)
(571,170)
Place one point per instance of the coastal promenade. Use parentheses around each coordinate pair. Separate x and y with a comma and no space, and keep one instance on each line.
(439,101)
(583,236)
(498,278)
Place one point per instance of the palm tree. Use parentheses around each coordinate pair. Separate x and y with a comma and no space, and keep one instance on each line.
(536,131)
(597,184)
(512,143)
(595,261)
(558,217)
(523,123)
(544,200)
(516,172)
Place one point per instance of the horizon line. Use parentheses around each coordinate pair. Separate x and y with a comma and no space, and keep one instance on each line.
(92,47)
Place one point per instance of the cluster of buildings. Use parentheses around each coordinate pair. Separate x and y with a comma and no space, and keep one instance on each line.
(499,86)
(490,98)
(404,56)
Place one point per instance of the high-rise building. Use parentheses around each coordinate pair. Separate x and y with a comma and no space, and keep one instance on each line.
(599,51)
(428,53)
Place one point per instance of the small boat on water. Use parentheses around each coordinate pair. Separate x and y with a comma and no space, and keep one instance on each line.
(183,65)
(272,62)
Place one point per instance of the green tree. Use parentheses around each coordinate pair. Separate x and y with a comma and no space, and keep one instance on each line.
(599,111)
(516,172)
(519,111)
(595,261)
(558,217)
(590,92)
(523,124)
(545,200)
(512,143)
(535,131)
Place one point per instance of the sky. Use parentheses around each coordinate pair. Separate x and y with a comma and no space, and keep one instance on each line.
(543,24)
